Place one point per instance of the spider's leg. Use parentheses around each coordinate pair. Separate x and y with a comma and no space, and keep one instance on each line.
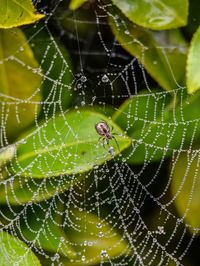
(107,142)
(103,144)
(103,141)
(116,142)
(117,134)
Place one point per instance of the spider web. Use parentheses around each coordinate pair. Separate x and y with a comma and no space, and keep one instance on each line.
(122,195)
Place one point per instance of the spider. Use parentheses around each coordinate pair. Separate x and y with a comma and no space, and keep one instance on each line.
(103,129)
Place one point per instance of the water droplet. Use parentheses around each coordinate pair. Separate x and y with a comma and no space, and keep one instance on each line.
(83,78)
(99,225)
(104,253)
(101,234)
(161,230)
(79,86)
(56,256)
(111,151)
(62,239)
(161,20)
(136,210)
(105,78)
(23,141)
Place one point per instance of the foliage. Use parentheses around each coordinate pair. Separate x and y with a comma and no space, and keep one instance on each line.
(163,40)
(15,13)
(152,49)
(74,4)
(13,251)
(160,117)
(95,244)
(39,39)
(83,148)
(193,68)
(155,14)
(187,205)
(17,81)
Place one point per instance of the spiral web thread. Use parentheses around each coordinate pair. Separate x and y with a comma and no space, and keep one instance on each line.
(127,191)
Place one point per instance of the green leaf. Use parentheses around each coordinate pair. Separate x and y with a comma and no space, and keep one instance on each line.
(44,229)
(57,85)
(148,105)
(14,13)
(163,54)
(156,127)
(67,144)
(185,187)
(155,14)
(94,239)
(20,190)
(75,4)
(20,81)
(193,67)
(15,252)
(107,110)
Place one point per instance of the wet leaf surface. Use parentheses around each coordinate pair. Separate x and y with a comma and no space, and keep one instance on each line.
(20,81)
(15,13)
(95,240)
(163,54)
(13,251)
(67,144)
(157,126)
(185,187)
(155,14)
(75,4)
(193,66)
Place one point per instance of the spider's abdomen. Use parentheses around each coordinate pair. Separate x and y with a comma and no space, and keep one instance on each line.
(103,129)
